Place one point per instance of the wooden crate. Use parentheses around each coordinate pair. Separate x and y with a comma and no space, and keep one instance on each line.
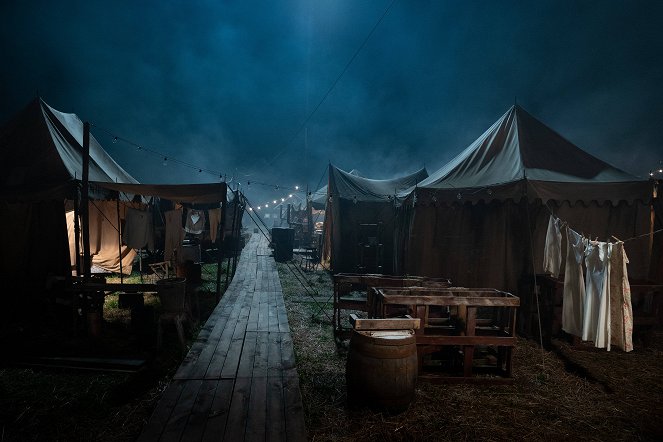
(351,293)
(466,334)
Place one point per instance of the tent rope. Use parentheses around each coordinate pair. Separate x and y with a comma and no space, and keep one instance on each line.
(535,287)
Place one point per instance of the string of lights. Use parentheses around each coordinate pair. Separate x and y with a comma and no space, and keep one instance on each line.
(169,159)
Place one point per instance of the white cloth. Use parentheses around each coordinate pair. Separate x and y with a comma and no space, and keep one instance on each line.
(552,252)
(138,230)
(621,310)
(574,284)
(195,222)
(596,320)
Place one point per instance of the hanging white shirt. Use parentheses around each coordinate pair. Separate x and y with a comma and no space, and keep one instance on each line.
(552,252)
(596,318)
(574,284)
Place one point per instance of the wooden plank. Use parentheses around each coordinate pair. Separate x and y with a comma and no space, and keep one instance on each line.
(239,406)
(295,427)
(508,341)
(231,362)
(273,315)
(274,355)
(202,408)
(180,415)
(275,431)
(384,324)
(450,300)
(218,415)
(154,427)
(257,409)
(218,358)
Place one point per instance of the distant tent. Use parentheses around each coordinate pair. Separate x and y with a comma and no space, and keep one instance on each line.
(359,221)
(319,197)
(479,219)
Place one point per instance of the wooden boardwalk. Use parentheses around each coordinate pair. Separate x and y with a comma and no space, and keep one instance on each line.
(239,380)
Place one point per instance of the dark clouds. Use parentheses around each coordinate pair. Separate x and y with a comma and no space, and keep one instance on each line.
(227,85)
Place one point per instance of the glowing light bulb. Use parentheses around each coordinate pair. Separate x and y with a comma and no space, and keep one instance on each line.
(290,196)
(258,207)
(282,199)
(296,187)
(274,201)
(250,209)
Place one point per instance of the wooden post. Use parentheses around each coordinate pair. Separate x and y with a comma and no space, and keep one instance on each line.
(219,247)
(85,209)
(77,232)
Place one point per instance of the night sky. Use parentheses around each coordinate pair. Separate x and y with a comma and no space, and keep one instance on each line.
(272,91)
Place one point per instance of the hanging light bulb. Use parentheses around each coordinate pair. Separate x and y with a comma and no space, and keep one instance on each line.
(296,187)
(290,196)
(165,161)
(282,199)
(114,140)
(200,170)
(274,201)
(250,209)
(266,206)
(258,207)
(139,147)
(354,200)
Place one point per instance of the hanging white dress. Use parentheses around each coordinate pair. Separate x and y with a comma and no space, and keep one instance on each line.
(596,320)
(574,284)
(552,252)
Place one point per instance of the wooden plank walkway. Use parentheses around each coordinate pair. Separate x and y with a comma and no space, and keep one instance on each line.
(239,380)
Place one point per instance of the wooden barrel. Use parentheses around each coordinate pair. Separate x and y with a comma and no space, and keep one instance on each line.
(381,370)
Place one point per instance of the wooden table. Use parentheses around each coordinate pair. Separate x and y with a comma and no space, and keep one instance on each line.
(352,292)
(464,331)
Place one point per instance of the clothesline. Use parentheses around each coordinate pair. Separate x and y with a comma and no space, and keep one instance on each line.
(624,240)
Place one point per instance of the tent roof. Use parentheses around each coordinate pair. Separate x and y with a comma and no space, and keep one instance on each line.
(346,185)
(42,152)
(319,197)
(518,147)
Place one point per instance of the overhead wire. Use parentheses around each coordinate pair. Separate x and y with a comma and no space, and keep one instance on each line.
(333,85)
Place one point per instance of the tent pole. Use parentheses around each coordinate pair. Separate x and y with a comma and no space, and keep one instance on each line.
(85,210)
(119,235)
(77,233)
(219,250)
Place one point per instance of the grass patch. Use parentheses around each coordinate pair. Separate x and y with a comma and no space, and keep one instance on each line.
(614,396)
(40,403)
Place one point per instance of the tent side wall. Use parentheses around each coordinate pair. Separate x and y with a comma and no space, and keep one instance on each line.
(347,235)
(488,244)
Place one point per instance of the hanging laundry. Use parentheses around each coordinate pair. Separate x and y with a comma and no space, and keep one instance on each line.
(174,234)
(574,284)
(596,319)
(195,222)
(552,253)
(621,310)
(138,229)
(214,221)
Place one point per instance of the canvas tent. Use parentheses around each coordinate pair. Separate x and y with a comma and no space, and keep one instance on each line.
(359,221)
(481,218)
(42,152)
(43,156)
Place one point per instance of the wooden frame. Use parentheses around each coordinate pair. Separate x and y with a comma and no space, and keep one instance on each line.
(362,283)
(460,327)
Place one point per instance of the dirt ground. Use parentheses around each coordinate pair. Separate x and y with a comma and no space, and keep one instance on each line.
(568,393)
